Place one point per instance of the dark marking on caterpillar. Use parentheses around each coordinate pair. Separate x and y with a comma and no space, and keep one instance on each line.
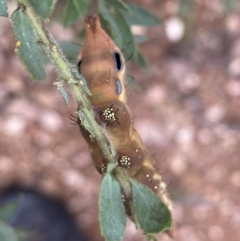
(79,66)
(118,61)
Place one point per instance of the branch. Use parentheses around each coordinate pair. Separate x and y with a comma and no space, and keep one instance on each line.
(70,75)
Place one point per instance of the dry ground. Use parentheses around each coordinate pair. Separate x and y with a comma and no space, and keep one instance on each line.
(187,110)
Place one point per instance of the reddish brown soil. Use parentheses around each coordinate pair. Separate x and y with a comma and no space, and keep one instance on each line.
(187,110)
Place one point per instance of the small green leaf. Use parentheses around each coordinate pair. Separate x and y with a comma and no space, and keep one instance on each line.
(3,8)
(85,123)
(26,45)
(152,214)
(7,232)
(118,4)
(74,10)
(140,59)
(7,210)
(70,50)
(140,38)
(151,237)
(63,91)
(105,25)
(131,82)
(230,5)
(140,16)
(108,17)
(82,80)
(111,210)
(128,42)
(186,8)
(44,7)
(23,235)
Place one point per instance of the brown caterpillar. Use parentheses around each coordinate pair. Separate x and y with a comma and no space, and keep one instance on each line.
(102,64)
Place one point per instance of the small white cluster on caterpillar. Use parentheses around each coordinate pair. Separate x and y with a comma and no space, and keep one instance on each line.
(125,161)
(109,115)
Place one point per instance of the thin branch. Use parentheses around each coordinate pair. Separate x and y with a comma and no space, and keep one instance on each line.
(70,75)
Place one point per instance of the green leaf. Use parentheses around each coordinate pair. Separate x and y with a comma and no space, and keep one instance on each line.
(230,5)
(128,42)
(43,8)
(22,234)
(70,50)
(152,214)
(140,38)
(7,232)
(151,237)
(105,25)
(3,8)
(118,4)
(26,45)
(74,10)
(131,82)
(140,59)
(81,80)
(7,210)
(140,16)
(186,8)
(111,210)
(108,17)
(84,121)
(63,91)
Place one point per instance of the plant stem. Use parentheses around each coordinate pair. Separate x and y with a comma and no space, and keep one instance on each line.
(67,73)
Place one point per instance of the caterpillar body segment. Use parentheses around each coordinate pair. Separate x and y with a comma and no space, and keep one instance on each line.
(102,64)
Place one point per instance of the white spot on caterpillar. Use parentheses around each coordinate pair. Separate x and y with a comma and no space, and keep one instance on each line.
(147,176)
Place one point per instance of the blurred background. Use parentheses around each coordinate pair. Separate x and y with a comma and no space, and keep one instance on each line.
(186,107)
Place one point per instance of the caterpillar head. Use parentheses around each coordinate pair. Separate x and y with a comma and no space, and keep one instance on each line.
(102,64)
